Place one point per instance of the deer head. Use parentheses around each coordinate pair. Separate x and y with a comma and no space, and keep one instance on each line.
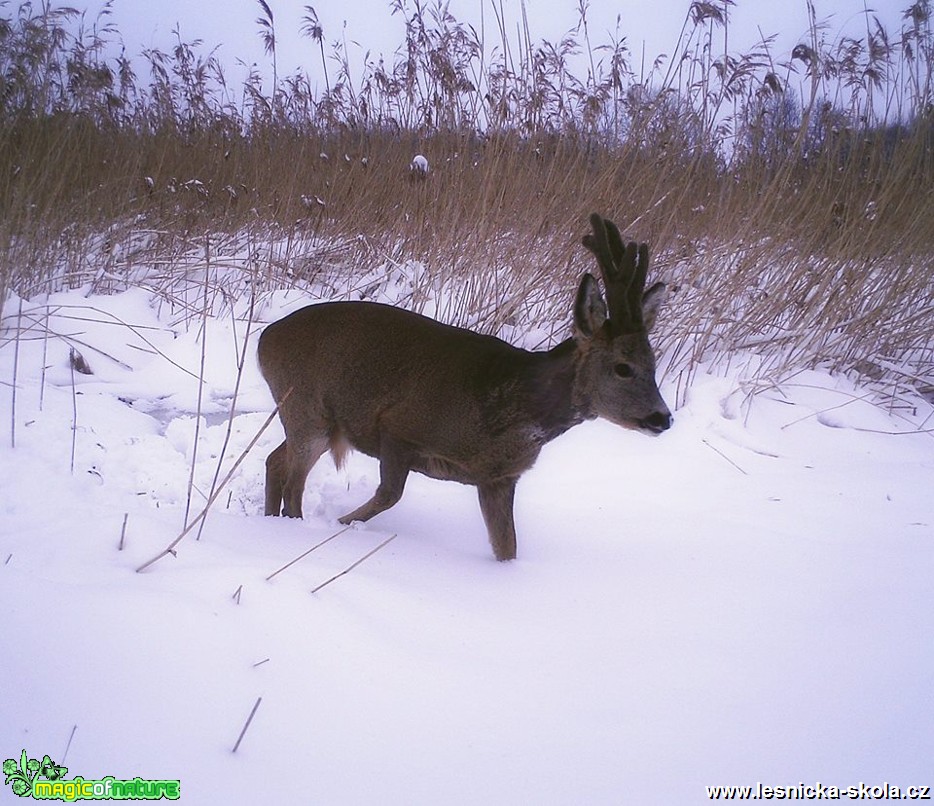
(617,372)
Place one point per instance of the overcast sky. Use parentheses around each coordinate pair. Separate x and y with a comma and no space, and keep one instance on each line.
(368,25)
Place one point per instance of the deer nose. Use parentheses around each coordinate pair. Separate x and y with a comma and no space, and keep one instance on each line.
(657,421)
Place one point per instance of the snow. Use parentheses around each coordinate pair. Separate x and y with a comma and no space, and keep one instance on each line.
(745,598)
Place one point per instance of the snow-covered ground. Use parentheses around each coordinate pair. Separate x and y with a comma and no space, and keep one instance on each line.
(747,598)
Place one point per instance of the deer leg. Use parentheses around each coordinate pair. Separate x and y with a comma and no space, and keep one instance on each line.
(393,471)
(275,475)
(496,499)
(300,455)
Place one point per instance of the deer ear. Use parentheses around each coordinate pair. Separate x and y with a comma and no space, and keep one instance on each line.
(651,301)
(589,307)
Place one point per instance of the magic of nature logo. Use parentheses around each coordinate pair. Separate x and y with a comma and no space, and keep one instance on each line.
(45,780)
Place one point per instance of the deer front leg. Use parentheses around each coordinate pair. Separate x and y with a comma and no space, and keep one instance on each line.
(496,499)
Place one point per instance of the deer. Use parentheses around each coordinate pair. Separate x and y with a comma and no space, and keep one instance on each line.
(452,403)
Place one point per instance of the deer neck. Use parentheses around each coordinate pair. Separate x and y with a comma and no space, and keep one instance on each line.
(556,404)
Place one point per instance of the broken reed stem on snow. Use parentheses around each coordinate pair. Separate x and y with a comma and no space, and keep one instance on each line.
(170,549)
(721,453)
(112,318)
(818,413)
(19,322)
(237,593)
(74,408)
(204,347)
(350,568)
(120,545)
(68,746)
(45,356)
(233,401)
(249,719)
(306,553)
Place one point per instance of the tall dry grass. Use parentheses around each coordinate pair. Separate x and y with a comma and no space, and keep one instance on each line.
(787,197)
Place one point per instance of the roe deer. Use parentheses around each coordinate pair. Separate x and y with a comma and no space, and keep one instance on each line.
(454,404)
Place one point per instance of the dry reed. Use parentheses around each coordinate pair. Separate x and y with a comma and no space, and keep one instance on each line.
(786,196)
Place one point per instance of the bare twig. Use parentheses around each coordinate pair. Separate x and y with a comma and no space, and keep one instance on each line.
(721,453)
(45,356)
(123,532)
(809,415)
(306,553)
(351,567)
(19,320)
(892,433)
(204,347)
(233,406)
(249,719)
(74,409)
(68,746)
(114,320)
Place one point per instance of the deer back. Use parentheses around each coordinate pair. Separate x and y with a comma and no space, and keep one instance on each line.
(471,406)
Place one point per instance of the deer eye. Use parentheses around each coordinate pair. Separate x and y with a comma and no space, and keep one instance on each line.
(623,370)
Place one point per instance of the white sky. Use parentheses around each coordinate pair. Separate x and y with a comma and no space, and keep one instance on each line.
(369,24)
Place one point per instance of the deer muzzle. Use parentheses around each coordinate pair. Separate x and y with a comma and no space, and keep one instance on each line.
(656,422)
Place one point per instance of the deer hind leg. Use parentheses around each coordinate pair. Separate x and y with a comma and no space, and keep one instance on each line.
(496,500)
(275,476)
(393,470)
(287,467)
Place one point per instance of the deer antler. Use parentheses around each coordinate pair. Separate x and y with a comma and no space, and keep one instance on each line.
(624,270)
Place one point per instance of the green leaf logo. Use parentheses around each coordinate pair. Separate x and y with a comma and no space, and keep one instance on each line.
(22,787)
(21,776)
(18,775)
